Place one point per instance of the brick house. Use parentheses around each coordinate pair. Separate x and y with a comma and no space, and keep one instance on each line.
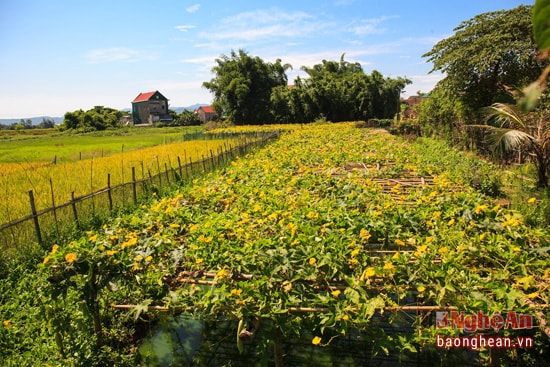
(412,103)
(150,107)
(206,113)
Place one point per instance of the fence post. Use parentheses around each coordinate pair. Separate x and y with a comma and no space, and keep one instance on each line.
(179,167)
(54,207)
(35,218)
(109,192)
(211,160)
(186,167)
(134,192)
(166,171)
(73,204)
(159,173)
(203,163)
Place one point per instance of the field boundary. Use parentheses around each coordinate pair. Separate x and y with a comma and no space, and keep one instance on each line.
(58,220)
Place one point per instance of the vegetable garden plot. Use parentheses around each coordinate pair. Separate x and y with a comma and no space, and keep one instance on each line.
(289,235)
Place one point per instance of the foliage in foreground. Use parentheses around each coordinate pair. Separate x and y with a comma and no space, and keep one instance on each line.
(296,216)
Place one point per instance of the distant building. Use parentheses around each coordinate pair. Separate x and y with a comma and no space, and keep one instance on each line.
(412,102)
(206,113)
(150,107)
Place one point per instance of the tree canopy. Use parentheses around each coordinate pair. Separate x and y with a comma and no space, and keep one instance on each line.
(488,57)
(97,118)
(248,90)
(242,87)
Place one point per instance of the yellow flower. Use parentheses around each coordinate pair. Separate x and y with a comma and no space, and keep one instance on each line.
(516,249)
(46,259)
(532,200)
(93,238)
(335,293)
(420,249)
(369,272)
(174,225)
(316,340)
(345,317)
(388,266)
(312,261)
(198,261)
(399,242)
(111,252)
(136,266)
(443,250)
(451,222)
(236,292)
(421,289)
(533,295)
(148,258)
(395,256)
(7,324)
(54,249)
(546,273)
(312,215)
(482,236)
(222,274)
(70,258)
(138,258)
(355,252)
(365,235)
(480,209)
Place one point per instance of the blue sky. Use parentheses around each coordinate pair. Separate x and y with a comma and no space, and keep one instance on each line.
(63,55)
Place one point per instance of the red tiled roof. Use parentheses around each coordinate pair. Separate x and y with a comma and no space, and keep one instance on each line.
(144,96)
(207,109)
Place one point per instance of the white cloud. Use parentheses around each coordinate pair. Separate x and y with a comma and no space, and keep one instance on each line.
(113,54)
(423,83)
(193,8)
(370,26)
(265,24)
(184,28)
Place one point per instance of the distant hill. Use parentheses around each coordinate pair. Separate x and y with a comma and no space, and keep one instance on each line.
(35,120)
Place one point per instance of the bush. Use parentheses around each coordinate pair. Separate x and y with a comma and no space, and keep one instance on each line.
(462,166)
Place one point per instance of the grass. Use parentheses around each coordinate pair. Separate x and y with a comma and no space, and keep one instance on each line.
(25,148)
(26,164)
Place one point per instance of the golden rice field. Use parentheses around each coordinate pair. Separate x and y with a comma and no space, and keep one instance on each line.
(86,176)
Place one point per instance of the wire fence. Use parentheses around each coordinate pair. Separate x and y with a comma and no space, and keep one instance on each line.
(58,221)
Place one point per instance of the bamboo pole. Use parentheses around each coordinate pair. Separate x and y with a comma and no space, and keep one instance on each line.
(35,218)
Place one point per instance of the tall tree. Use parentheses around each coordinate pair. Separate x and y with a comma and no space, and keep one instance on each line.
(527,132)
(342,91)
(488,56)
(242,87)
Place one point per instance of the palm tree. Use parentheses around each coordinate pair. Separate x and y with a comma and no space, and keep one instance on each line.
(527,132)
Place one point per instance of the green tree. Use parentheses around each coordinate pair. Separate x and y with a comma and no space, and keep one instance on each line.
(72,120)
(242,87)
(442,115)
(518,131)
(46,124)
(488,57)
(97,118)
(340,91)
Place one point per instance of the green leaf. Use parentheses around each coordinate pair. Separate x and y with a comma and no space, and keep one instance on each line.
(240,345)
(541,26)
